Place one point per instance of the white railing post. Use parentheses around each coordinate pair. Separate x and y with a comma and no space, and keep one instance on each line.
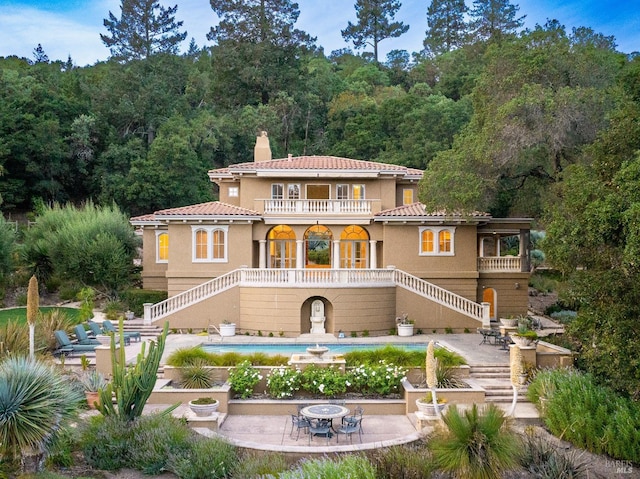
(486,318)
(147,313)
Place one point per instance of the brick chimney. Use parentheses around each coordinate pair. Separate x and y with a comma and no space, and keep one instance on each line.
(262,150)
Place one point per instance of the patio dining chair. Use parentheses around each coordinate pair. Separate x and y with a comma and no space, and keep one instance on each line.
(319,427)
(299,422)
(349,426)
(358,412)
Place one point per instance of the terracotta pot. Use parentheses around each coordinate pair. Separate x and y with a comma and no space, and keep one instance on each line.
(92,398)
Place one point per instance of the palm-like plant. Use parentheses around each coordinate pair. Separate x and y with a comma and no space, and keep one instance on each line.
(35,400)
(475,444)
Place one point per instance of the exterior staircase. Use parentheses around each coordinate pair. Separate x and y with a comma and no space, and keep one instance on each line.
(496,381)
(147,331)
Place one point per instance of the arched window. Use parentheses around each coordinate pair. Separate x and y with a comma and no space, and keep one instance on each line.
(282,247)
(437,241)
(162,248)
(317,241)
(426,242)
(444,241)
(354,247)
(210,244)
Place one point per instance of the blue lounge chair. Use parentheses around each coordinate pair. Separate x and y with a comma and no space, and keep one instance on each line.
(94,328)
(110,328)
(65,345)
(83,337)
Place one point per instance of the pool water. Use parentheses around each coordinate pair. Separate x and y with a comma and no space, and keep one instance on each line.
(301,348)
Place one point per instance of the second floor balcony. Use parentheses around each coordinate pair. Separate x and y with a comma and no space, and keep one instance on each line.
(328,207)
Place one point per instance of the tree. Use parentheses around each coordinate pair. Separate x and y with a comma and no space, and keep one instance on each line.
(374,24)
(33,309)
(7,248)
(258,48)
(141,32)
(494,19)
(447,27)
(39,55)
(35,402)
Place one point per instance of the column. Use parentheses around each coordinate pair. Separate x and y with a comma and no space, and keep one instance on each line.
(262,261)
(373,254)
(335,262)
(299,254)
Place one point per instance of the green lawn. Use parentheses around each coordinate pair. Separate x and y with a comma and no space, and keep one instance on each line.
(20,314)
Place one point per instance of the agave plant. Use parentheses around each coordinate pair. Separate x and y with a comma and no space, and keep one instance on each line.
(35,400)
(475,444)
(197,375)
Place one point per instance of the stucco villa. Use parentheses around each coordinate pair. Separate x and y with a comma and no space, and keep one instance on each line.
(326,244)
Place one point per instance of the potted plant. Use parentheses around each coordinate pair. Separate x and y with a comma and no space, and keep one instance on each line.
(509,322)
(204,406)
(425,404)
(227,328)
(92,381)
(404,325)
(524,336)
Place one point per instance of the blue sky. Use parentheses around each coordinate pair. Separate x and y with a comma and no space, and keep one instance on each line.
(73,27)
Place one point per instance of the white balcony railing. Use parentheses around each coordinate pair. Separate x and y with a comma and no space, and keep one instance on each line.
(318,207)
(499,264)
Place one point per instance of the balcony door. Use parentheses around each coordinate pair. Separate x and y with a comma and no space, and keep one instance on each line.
(318,192)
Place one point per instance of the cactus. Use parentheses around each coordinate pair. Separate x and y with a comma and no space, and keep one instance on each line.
(516,372)
(131,386)
(432,379)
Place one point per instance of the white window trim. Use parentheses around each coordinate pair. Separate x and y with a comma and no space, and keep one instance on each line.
(289,197)
(234,191)
(158,233)
(363,190)
(282,196)
(436,241)
(345,186)
(210,230)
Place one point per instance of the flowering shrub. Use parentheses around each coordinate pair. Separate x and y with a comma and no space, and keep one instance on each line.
(325,381)
(243,379)
(283,382)
(381,378)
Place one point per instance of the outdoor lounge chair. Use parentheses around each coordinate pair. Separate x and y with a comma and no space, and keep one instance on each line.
(110,328)
(96,330)
(83,337)
(65,345)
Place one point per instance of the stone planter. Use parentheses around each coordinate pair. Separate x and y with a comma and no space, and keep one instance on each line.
(509,322)
(405,329)
(204,410)
(428,408)
(521,341)
(105,339)
(227,329)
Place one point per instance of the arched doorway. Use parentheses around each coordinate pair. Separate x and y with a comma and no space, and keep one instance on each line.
(489,296)
(317,247)
(354,247)
(282,247)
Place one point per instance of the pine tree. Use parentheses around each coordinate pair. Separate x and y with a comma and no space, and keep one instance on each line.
(447,28)
(258,21)
(493,19)
(374,24)
(140,32)
(39,55)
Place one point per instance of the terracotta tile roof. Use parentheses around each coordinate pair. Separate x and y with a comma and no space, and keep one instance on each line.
(143,218)
(212,208)
(202,210)
(418,210)
(316,163)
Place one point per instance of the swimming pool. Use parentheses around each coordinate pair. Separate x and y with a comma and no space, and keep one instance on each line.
(301,348)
